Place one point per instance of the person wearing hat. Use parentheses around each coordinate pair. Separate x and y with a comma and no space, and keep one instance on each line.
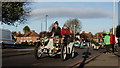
(56,30)
(65,33)
(107,42)
(112,41)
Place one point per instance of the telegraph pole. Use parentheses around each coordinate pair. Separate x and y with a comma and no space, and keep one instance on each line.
(113,22)
(46,22)
(41,26)
(74,33)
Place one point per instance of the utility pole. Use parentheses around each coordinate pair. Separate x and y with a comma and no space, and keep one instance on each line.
(97,38)
(74,33)
(113,16)
(41,26)
(46,22)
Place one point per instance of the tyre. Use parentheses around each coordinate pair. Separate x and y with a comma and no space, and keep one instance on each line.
(38,51)
(72,52)
(64,52)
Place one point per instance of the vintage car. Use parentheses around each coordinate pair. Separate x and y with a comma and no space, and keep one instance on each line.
(52,46)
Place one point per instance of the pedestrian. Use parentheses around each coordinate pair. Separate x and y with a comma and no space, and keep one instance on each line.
(112,41)
(107,42)
(56,30)
(66,34)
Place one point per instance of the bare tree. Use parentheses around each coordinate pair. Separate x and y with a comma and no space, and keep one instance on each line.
(51,26)
(70,23)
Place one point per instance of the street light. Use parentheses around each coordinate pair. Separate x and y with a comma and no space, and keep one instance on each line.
(46,21)
(74,32)
(41,26)
(113,15)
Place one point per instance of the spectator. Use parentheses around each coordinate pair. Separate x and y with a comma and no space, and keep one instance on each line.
(112,41)
(107,42)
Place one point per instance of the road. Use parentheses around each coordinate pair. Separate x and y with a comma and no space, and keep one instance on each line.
(29,59)
(104,60)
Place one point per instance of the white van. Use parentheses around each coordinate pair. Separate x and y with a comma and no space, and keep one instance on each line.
(6,38)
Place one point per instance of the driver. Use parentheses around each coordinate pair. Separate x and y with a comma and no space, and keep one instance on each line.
(56,30)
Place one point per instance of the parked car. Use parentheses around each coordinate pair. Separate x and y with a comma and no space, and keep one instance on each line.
(95,46)
(79,44)
(6,38)
(101,45)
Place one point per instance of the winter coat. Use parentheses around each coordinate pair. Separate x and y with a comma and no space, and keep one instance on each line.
(112,39)
(65,32)
(56,31)
(107,40)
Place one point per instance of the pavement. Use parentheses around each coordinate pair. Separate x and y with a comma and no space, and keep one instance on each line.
(87,61)
(118,53)
(104,60)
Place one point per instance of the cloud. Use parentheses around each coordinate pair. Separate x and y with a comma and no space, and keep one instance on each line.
(74,0)
(82,13)
(59,0)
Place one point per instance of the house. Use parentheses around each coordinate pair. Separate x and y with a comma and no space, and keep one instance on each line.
(98,37)
(27,37)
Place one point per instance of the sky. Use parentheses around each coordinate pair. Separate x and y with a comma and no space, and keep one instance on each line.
(59,0)
(94,16)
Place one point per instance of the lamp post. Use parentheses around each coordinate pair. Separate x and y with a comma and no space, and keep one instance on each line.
(113,16)
(46,21)
(41,26)
(74,32)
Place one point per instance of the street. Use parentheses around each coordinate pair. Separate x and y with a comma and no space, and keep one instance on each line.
(29,59)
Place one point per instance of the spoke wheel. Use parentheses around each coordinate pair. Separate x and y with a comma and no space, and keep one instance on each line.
(64,52)
(38,51)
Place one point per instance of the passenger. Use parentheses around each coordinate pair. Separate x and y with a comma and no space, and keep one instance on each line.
(65,33)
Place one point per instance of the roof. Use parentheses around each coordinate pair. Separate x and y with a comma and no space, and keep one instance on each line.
(18,34)
(26,34)
(34,34)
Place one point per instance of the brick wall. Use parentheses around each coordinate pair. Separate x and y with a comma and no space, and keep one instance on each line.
(28,39)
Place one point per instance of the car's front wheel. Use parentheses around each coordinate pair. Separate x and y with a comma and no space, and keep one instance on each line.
(38,51)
